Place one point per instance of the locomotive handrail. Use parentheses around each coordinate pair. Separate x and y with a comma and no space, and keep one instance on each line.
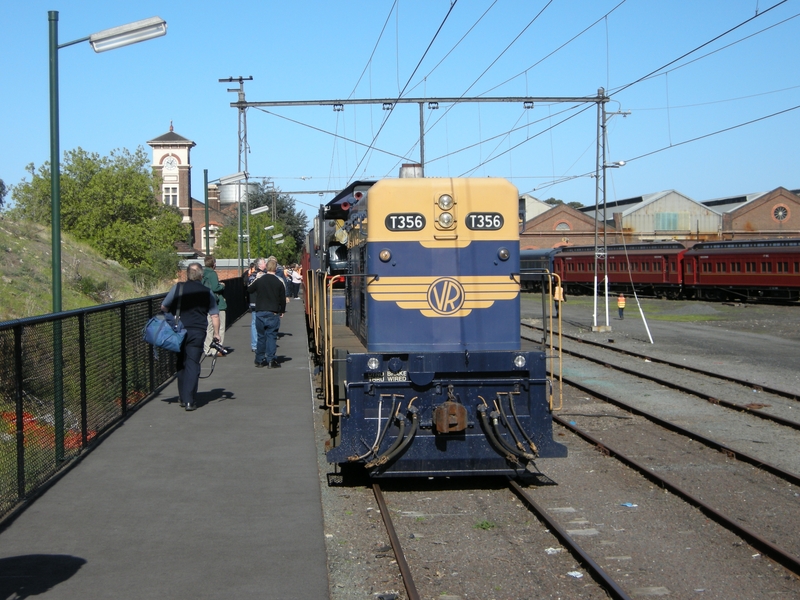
(328,300)
(552,354)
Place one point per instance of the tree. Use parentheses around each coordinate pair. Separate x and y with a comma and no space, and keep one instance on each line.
(109,202)
(294,223)
(556,202)
(288,221)
(3,192)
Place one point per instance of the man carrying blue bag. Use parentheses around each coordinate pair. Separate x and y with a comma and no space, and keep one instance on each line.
(195,302)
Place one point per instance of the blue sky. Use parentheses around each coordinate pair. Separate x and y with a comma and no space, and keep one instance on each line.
(317,50)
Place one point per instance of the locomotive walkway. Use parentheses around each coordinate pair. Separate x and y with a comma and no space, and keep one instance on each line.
(222,502)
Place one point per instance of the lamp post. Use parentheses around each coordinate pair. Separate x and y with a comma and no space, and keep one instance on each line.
(614,165)
(266,239)
(108,39)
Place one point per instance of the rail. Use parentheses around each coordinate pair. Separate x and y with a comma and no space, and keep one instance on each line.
(68,379)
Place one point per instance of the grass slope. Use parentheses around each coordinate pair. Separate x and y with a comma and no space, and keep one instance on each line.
(87,278)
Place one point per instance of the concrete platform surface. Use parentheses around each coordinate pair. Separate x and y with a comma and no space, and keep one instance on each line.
(222,502)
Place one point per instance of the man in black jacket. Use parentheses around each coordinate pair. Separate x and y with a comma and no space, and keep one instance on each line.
(195,302)
(270,306)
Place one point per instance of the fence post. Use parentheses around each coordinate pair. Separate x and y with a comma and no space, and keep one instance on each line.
(84,407)
(124,360)
(20,419)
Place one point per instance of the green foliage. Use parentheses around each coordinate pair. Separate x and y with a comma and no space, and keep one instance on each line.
(485,525)
(26,273)
(108,201)
(3,192)
(556,202)
(289,222)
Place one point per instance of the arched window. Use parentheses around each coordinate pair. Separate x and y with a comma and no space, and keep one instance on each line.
(563,226)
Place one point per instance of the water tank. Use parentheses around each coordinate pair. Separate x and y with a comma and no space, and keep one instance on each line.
(230,193)
(410,170)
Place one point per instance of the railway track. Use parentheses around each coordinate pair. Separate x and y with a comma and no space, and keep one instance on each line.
(601,577)
(662,413)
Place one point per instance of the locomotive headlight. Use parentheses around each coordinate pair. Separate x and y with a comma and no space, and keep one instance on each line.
(373,364)
(519,361)
(445,202)
(503,254)
(385,255)
(446,220)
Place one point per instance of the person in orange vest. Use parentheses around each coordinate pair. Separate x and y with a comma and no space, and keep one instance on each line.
(621,306)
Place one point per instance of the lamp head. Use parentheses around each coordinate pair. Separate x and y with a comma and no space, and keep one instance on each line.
(125,35)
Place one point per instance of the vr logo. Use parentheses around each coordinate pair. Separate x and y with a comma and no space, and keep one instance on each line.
(446,296)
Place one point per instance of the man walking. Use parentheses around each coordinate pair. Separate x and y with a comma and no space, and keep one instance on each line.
(270,306)
(211,281)
(195,303)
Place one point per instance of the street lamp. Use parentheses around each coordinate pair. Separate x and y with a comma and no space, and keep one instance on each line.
(266,238)
(108,39)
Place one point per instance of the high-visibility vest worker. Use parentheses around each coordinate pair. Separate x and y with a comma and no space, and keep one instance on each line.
(621,306)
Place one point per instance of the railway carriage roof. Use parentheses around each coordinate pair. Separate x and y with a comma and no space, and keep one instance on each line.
(747,245)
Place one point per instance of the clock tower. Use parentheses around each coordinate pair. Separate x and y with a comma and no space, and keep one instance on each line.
(171,163)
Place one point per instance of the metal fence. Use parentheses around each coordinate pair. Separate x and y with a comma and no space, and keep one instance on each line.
(68,378)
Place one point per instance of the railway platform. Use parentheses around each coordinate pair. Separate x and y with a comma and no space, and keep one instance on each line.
(222,502)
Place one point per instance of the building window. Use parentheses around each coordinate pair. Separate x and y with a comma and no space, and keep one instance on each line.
(170,194)
(563,226)
(780,213)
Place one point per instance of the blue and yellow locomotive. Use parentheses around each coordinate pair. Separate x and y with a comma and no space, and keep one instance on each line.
(418,338)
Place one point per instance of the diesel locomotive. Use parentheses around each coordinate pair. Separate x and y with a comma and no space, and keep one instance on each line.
(413,310)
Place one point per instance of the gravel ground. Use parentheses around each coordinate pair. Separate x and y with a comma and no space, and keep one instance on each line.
(478,541)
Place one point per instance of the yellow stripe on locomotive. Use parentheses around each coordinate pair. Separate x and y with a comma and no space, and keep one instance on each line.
(443,296)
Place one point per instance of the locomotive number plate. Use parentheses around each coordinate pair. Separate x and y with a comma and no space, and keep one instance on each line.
(405,222)
(386,376)
(484,221)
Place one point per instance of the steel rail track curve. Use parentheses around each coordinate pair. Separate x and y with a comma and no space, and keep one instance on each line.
(599,575)
(405,571)
(771,550)
(728,451)
(742,382)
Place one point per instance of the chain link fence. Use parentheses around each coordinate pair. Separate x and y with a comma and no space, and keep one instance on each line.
(67,378)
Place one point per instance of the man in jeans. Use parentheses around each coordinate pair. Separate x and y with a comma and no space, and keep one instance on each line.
(270,306)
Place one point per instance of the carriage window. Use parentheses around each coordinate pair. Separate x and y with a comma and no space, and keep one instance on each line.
(797,267)
(672,266)
(720,267)
(766,267)
(783,267)
(736,267)
(634,266)
(750,267)
(688,268)
(706,267)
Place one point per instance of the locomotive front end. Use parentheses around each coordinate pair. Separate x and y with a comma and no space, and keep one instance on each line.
(440,385)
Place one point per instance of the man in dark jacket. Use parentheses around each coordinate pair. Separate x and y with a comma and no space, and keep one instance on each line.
(211,281)
(195,302)
(270,306)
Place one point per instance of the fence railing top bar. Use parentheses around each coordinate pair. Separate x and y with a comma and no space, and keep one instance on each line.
(5,325)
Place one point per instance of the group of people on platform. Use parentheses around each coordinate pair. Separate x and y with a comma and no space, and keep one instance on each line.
(199,302)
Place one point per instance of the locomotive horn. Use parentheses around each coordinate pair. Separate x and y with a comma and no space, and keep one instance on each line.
(345,206)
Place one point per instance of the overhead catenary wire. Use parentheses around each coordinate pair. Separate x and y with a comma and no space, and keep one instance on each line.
(400,95)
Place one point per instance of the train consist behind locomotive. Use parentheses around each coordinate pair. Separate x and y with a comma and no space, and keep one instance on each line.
(413,309)
(722,270)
